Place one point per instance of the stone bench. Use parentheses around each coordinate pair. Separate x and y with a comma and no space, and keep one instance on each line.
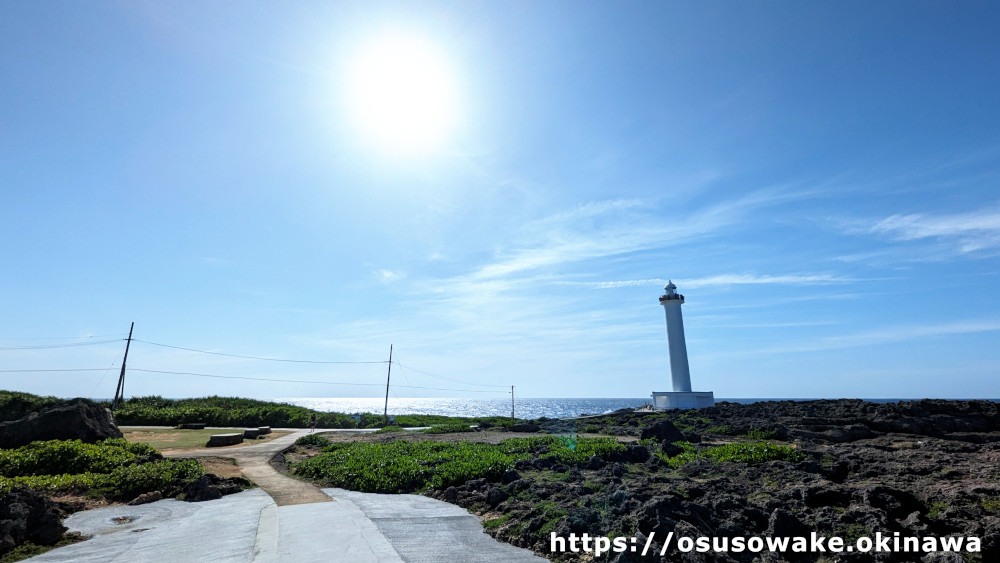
(251,433)
(191,426)
(264,430)
(218,440)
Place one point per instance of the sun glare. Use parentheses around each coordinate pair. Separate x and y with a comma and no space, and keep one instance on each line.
(402,94)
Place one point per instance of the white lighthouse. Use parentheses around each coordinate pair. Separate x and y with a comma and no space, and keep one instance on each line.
(682,397)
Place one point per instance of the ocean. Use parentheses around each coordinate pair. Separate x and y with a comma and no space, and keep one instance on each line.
(523,408)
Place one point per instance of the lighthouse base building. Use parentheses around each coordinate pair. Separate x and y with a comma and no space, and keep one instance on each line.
(682,397)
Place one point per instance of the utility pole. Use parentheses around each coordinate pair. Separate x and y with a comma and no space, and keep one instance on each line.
(512,403)
(120,389)
(385,413)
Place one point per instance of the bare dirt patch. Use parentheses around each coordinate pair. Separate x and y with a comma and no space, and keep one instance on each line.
(222,466)
(173,439)
(486,436)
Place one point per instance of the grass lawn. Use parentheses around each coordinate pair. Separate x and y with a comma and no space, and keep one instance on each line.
(174,439)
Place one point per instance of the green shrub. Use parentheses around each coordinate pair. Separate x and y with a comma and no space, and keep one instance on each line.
(494,523)
(747,452)
(402,467)
(762,434)
(313,440)
(369,420)
(224,411)
(55,457)
(448,428)
(389,429)
(112,469)
(14,404)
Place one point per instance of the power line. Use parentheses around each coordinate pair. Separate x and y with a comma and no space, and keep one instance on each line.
(49,370)
(63,337)
(448,379)
(250,357)
(301,380)
(48,346)
(253,378)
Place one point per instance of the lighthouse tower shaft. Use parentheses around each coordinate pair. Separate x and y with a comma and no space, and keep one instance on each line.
(680,372)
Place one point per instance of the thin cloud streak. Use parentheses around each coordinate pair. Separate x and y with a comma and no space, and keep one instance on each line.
(721,280)
(887,335)
(977,230)
(572,236)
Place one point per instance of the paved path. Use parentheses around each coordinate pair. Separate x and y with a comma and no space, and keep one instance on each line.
(254,527)
(253,461)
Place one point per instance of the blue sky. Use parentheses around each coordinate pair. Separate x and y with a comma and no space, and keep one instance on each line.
(821,180)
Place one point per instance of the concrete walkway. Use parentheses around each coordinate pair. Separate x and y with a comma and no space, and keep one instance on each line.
(254,462)
(252,526)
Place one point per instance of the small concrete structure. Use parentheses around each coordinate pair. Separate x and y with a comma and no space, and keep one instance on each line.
(251,433)
(218,440)
(680,374)
(264,430)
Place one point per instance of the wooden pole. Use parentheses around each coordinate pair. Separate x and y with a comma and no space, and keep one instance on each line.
(385,412)
(120,389)
(512,403)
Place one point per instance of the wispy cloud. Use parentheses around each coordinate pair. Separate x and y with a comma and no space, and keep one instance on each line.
(610,228)
(388,276)
(890,334)
(977,230)
(722,280)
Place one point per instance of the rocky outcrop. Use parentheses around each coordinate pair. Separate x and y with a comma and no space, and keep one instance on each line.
(917,469)
(211,487)
(27,516)
(78,419)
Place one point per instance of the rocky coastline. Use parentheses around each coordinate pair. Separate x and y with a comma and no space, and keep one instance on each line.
(925,469)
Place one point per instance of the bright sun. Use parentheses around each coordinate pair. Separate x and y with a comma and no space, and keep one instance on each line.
(402,95)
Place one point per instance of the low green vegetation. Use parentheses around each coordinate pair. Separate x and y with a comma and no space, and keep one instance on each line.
(313,440)
(238,413)
(990,504)
(420,420)
(224,411)
(112,469)
(494,523)
(448,428)
(14,405)
(28,549)
(762,434)
(746,452)
(403,467)
(936,508)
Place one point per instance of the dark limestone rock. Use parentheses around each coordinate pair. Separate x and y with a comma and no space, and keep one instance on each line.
(77,419)
(663,430)
(146,498)
(525,427)
(27,516)
(510,476)
(203,488)
(637,453)
(495,496)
